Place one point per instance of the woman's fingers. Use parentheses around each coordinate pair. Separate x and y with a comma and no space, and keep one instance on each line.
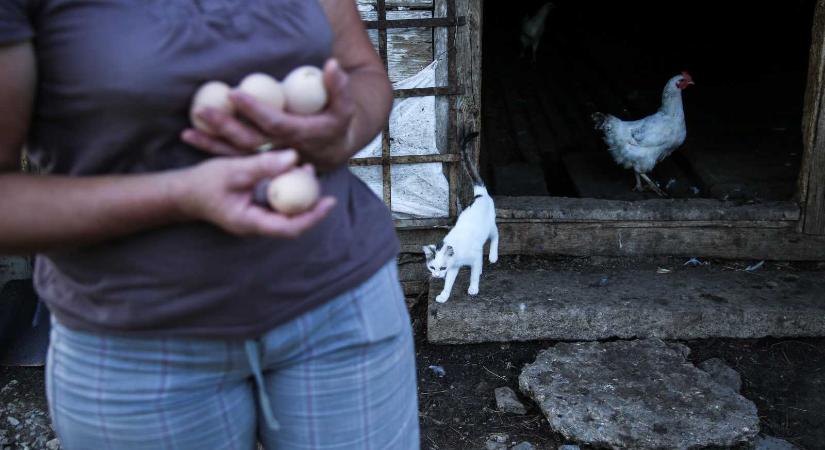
(278,126)
(229,135)
(270,223)
(247,172)
(341,103)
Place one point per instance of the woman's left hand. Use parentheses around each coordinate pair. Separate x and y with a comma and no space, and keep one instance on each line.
(323,139)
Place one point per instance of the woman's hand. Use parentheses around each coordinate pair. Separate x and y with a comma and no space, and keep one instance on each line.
(220,191)
(320,138)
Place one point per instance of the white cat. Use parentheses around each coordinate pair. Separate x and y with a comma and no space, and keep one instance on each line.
(464,244)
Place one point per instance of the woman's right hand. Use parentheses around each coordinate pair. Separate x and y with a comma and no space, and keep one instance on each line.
(220,191)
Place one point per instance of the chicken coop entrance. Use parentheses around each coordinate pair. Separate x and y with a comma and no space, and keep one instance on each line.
(744,115)
(749,181)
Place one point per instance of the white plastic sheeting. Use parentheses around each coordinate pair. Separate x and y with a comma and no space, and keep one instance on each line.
(418,190)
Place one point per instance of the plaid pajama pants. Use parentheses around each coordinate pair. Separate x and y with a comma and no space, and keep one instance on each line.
(341,376)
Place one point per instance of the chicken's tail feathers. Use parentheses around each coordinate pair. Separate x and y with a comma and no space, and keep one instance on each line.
(464,146)
(600,120)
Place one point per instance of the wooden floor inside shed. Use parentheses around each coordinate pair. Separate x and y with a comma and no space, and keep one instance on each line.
(744,114)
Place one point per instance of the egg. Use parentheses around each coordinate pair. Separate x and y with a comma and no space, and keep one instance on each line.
(304,90)
(294,192)
(214,94)
(264,88)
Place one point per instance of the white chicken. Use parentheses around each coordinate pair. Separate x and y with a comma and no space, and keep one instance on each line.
(532,29)
(641,144)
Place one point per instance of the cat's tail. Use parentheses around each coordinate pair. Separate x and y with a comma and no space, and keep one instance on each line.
(464,145)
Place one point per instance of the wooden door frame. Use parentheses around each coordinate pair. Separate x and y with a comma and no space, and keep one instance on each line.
(792,230)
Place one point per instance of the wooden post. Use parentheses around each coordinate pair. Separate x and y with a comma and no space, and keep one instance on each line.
(465,109)
(812,175)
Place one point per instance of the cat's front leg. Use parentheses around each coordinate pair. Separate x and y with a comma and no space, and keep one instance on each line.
(448,285)
(494,245)
(475,273)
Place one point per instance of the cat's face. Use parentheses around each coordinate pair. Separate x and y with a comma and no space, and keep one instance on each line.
(438,259)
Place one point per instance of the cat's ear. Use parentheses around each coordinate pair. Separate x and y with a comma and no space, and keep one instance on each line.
(429,250)
(449,250)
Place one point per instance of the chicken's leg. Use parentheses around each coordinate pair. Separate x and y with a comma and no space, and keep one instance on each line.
(653,185)
(639,187)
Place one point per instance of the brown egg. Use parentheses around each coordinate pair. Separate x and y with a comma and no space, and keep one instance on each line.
(264,88)
(214,94)
(294,192)
(304,90)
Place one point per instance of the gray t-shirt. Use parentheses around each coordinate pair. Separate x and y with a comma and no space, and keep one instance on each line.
(115,78)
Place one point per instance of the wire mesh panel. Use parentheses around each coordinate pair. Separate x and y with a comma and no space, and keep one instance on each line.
(449,157)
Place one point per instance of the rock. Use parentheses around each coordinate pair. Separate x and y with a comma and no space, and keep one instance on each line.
(569,447)
(639,395)
(771,443)
(721,373)
(13,421)
(497,441)
(11,385)
(54,444)
(507,401)
(523,446)
(438,371)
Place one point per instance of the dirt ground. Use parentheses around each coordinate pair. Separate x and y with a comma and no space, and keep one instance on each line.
(785,378)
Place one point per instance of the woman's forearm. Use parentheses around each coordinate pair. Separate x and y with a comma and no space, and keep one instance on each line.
(47,212)
(373,100)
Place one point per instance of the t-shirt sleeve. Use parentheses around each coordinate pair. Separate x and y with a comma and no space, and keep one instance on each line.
(15,23)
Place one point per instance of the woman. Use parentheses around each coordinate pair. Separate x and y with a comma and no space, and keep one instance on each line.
(185,315)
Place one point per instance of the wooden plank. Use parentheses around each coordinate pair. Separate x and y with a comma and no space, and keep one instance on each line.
(812,175)
(560,209)
(386,176)
(404,159)
(409,50)
(642,238)
(452,174)
(383,24)
(394,4)
(469,69)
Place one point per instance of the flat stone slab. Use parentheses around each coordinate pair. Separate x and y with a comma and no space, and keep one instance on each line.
(638,395)
(689,303)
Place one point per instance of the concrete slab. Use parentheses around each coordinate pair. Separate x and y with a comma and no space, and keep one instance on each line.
(636,395)
(687,303)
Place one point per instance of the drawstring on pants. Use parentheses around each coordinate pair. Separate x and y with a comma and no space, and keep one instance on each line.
(253,355)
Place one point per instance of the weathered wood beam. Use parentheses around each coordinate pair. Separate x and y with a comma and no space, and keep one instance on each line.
(414,23)
(396,4)
(642,238)
(812,175)
(405,159)
(561,209)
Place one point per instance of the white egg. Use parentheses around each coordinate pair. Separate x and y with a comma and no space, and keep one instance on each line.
(264,88)
(305,91)
(214,94)
(293,192)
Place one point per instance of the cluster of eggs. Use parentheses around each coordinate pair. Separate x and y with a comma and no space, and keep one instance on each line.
(302,92)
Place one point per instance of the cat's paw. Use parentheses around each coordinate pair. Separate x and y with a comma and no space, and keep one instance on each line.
(473,290)
(442,298)
(493,258)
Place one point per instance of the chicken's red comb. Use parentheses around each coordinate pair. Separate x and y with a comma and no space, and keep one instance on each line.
(686,76)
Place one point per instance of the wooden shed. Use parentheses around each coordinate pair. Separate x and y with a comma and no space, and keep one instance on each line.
(748,183)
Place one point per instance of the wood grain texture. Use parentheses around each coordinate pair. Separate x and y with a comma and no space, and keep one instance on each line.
(559,209)
(812,175)
(409,50)
(707,240)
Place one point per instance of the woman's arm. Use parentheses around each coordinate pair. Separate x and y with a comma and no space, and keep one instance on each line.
(360,100)
(45,212)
